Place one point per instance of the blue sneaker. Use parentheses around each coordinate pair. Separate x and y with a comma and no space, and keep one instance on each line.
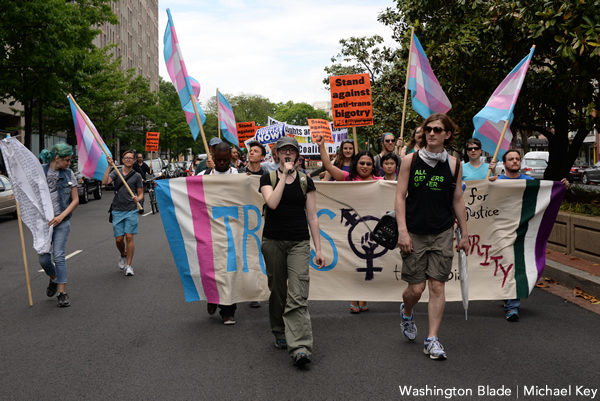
(409,328)
(434,349)
(301,359)
(280,343)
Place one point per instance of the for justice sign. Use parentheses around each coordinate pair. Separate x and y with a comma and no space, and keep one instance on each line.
(351,100)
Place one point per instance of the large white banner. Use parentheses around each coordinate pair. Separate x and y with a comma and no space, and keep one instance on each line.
(31,191)
(302,135)
(214,228)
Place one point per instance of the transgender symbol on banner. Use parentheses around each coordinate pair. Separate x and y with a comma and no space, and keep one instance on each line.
(427,95)
(490,121)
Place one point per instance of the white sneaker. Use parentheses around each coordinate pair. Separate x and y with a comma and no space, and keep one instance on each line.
(128,270)
(122,262)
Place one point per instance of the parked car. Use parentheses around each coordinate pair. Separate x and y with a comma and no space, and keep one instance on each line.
(591,174)
(534,164)
(8,204)
(87,186)
(157,166)
(576,172)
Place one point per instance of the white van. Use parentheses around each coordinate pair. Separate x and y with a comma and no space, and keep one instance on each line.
(534,164)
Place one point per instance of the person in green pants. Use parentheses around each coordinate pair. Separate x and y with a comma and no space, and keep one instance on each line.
(290,202)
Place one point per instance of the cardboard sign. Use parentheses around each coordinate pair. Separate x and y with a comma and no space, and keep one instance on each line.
(320,127)
(245,131)
(152,141)
(351,100)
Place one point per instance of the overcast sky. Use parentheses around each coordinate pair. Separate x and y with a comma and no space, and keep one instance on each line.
(273,48)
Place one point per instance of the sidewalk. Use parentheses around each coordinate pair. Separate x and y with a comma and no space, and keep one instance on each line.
(570,272)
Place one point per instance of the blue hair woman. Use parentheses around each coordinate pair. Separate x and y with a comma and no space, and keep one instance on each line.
(63,192)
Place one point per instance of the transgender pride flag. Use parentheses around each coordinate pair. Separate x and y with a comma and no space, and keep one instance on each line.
(186,86)
(490,121)
(427,94)
(91,160)
(227,120)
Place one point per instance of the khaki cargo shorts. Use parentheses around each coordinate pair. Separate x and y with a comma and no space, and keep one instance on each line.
(431,257)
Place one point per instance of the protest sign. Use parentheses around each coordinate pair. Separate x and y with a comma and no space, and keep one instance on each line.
(152,141)
(320,127)
(245,131)
(302,135)
(351,100)
(270,133)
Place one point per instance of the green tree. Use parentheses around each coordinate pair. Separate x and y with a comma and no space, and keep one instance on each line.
(42,42)
(364,55)
(297,113)
(473,45)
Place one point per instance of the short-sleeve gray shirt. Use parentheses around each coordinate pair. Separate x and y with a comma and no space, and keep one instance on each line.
(122,200)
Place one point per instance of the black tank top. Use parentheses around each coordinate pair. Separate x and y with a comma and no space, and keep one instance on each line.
(429,201)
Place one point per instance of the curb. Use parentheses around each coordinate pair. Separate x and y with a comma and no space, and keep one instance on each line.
(572,277)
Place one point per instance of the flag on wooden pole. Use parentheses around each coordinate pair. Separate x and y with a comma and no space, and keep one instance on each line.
(490,121)
(227,120)
(91,160)
(187,87)
(427,95)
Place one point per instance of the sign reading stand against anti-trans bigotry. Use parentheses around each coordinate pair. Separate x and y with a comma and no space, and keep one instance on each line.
(351,104)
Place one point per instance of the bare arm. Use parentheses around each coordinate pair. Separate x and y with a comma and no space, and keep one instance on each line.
(313,224)
(336,173)
(458,204)
(106,177)
(404,241)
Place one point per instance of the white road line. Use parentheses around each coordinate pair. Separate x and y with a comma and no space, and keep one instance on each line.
(66,257)
(144,215)
(73,254)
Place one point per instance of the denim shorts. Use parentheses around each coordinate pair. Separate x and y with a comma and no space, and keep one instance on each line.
(125,222)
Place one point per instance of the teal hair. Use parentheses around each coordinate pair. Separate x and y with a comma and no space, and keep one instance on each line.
(386,134)
(60,149)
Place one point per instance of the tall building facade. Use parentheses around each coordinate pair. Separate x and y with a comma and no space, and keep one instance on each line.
(135,37)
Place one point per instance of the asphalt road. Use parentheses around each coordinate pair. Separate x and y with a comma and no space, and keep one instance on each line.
(134,338)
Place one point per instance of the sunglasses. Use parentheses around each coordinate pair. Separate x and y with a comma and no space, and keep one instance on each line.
(390,140)
(365,164)
(474,148)
(437,130)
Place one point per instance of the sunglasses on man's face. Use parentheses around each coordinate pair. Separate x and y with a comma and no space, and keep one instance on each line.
(437,130)
(474,148)
(390,140)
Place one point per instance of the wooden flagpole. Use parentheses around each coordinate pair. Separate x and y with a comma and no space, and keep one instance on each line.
(24,254)
(103,150)
(208,155)
(412,34)
(498,147)
(355,140)
(218,115)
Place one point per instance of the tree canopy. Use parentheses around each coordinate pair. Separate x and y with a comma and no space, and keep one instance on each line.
(472,45)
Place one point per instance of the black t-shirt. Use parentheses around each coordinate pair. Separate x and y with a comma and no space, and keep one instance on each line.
(288,221)
(261,171)
(429,207)
(143,169)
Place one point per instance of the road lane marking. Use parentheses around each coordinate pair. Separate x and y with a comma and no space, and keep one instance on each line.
(144,215)
(66,257)
(73,254)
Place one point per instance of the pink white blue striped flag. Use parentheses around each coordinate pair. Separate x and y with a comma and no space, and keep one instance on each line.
(186,86)
(490,121)
(426,93)
(227,119)
(91,160)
